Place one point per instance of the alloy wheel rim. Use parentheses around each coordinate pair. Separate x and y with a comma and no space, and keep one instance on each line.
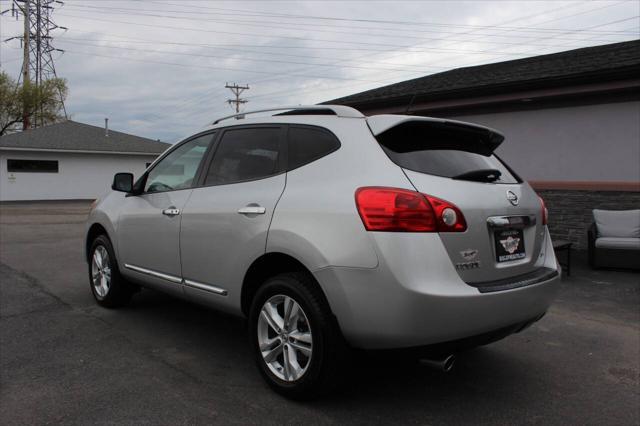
(284,338)
(101,271)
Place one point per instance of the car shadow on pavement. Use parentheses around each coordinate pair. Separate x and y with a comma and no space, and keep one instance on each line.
(204,336)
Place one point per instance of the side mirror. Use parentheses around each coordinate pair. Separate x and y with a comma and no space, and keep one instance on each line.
(123,182)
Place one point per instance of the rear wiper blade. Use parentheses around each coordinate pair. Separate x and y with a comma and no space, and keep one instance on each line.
(482,175)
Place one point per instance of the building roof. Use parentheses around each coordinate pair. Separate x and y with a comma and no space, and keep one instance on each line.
(73,136)
(591,64)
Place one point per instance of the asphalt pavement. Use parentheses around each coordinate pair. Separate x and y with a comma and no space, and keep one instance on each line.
(162,361)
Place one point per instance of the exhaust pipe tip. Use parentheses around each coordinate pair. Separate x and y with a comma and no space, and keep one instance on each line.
(443,364)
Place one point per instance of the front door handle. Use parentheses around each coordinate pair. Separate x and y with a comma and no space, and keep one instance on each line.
(252,210)
(171,211)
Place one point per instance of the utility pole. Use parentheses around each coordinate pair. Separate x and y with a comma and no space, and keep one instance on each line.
(26,80)
(37,63)
(237,90)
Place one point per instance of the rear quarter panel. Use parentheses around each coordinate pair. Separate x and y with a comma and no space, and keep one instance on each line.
(316,219)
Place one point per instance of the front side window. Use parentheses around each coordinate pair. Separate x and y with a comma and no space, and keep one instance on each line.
(178,169)
(32,166)
(245,154)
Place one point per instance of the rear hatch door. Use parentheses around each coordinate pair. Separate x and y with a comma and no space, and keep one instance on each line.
(455,161)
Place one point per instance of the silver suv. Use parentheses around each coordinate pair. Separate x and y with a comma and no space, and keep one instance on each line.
(328,229)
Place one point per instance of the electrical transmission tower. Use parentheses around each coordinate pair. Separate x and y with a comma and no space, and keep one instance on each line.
(36,41)
(237,90)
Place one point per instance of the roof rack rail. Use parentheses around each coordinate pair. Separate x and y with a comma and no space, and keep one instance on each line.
(338,110)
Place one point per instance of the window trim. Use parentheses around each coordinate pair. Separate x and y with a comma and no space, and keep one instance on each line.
(282,158)
(310,126)
(57,162)
(139,185)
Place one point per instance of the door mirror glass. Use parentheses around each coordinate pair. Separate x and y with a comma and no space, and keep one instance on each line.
(123,182)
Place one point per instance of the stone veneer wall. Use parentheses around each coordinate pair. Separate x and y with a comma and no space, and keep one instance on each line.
(570,210)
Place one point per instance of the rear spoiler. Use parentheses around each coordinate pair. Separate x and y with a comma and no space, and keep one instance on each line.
(471,137)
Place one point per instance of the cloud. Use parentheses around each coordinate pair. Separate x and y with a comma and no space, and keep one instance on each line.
(158,68)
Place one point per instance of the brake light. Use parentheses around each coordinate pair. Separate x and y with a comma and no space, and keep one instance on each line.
(545,212)
(402,210)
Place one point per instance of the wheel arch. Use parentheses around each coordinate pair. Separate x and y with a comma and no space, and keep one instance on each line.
(269,265)
(93,232)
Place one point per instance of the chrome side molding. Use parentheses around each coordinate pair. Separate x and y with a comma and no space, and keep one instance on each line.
(201,286)
(206,287)
(146,271)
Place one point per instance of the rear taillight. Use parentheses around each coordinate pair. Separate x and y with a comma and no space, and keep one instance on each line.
(402,210)
(449,217)
(545,212)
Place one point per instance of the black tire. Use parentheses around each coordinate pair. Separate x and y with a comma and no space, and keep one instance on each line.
(120,291)
(329,350)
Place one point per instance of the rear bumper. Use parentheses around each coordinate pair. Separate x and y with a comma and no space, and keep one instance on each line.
(416,300)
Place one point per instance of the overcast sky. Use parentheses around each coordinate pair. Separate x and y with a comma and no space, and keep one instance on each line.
(158,68)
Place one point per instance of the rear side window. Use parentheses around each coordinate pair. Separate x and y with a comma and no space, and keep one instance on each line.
(307,144)
(245,154)
(452,151)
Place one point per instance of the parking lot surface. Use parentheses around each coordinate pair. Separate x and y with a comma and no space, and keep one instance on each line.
(63,359)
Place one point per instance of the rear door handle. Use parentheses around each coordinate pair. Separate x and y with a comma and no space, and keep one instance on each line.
(171,211)
(252,210)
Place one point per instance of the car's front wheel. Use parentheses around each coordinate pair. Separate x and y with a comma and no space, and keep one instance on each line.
(295,340)
(109,288)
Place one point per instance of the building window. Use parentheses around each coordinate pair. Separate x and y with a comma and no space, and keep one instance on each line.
(32,166)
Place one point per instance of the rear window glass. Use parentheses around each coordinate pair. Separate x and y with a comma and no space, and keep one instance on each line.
(447,151)
(307,144)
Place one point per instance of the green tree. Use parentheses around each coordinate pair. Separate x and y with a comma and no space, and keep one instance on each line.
(41,104)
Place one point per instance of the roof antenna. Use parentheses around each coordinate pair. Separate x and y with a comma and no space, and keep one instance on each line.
(413,98)
(106,127)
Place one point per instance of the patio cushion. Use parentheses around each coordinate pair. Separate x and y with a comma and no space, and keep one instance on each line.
(618,243)
(617,223)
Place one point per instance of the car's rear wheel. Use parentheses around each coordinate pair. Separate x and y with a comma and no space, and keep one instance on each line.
(296,343)
(109,288)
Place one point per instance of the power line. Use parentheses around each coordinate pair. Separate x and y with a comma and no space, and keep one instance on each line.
(250,71)
(245,12)
(289,37)
(345,86)
(289,73)
(285,74)
(400,69)
(306,26)
(236,47)
(351,86)
(573,15)
(342,62)
(555,19)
